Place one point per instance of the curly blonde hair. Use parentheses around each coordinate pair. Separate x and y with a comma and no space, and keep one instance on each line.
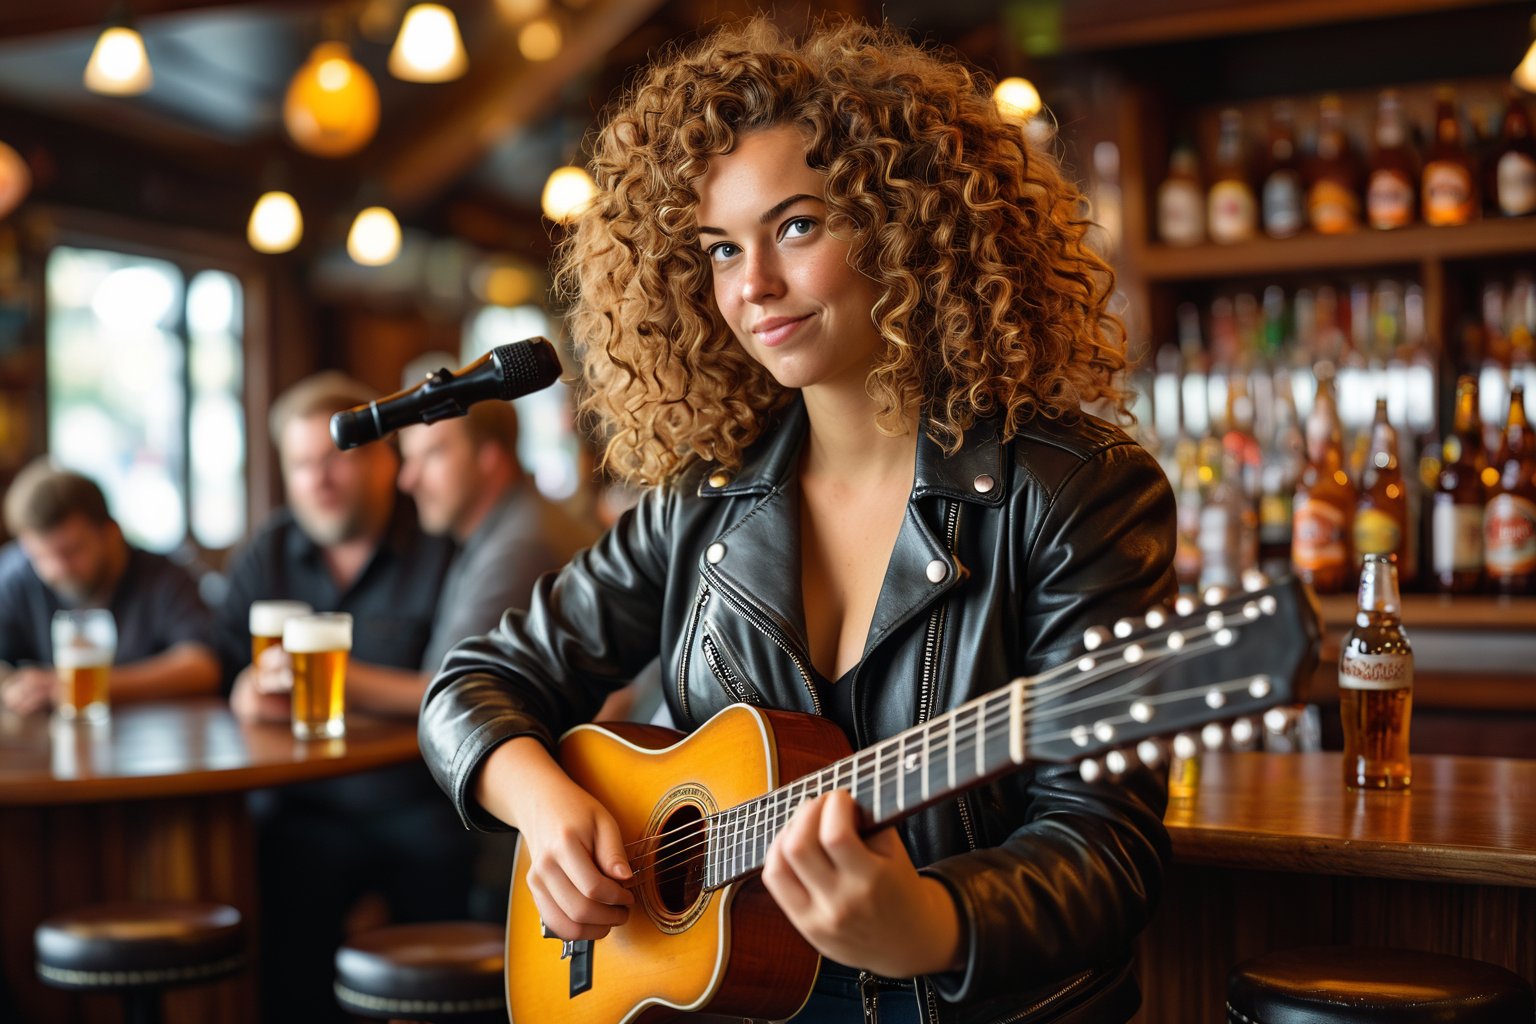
(992,304)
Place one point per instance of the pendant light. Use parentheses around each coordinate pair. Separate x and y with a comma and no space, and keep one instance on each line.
(428,48)
(375,237)
(332,105)
(276,225)
(119,64)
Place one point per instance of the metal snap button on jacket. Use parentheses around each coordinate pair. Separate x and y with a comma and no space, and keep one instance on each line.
(714,552)
(719,478)
(938,569)
(984,484)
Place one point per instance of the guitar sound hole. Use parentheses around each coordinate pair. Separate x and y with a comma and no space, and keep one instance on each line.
(680,860)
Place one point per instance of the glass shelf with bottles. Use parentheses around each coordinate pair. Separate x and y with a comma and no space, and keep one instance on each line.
(1233,411)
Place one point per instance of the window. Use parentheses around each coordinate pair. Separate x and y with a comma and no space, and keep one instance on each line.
(144,386)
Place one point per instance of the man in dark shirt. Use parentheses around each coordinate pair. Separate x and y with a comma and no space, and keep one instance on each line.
(348,541)
(70,553)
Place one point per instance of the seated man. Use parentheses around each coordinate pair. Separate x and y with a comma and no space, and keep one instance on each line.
(347,541)
(70,553)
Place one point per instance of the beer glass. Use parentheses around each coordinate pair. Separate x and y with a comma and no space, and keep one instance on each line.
(267,618)
(84,643)
(318,645)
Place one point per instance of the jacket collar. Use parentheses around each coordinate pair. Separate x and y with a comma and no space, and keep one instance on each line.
(973,474)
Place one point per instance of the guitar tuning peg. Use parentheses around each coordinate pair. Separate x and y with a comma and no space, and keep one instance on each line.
(1185,746)
(1243,734)
(1095,637)
(1116,763)
(1149,753)
(1213,736)
(1254,580)
(1214,595)
(1157,615)
(1124,628)
(1184,605)
(1090,770)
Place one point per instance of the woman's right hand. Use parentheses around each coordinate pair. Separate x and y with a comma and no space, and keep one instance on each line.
(576,858)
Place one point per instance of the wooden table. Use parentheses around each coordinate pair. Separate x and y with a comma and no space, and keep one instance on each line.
(149,806)
(1272,852)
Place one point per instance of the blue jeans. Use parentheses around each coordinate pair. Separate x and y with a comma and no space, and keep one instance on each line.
(836,1000)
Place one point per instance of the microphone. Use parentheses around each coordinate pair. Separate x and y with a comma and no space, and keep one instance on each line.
(506,372)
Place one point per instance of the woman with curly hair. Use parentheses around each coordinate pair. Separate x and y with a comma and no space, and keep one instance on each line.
(838,317)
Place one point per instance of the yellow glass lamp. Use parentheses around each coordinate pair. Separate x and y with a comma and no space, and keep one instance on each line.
(332,106)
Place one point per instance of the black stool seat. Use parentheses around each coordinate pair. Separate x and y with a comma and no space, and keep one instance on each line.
(450,971)
(119,946)
(1358,985)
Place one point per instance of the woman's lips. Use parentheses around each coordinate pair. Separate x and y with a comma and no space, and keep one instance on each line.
(776,329)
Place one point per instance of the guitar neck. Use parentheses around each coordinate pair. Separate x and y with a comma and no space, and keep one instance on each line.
(956,751)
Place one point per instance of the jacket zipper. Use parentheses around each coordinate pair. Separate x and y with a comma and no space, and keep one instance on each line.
(735,687)
(773,634)
(682,664)
(1029,1011)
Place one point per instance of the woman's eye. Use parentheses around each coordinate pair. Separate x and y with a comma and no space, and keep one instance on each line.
(799,227)
(722,250)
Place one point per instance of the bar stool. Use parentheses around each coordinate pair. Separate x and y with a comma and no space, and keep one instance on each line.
(137,950)
(436,973)
(1359,985)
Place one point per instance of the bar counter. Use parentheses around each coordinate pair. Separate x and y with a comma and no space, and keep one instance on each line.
(1272,852)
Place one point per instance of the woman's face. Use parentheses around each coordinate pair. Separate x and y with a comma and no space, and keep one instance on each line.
(782,280)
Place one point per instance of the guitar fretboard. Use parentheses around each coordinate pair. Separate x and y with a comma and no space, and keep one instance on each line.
(890,780)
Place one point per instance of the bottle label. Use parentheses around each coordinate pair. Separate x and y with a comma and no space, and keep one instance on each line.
(1275,517)
(1233,216)
(1375,671)
(1457,533)
(1447,194)
(1180,214)
(1389,200)
(1333,208)
(1376,533)
(1516,178)
(1318,540)
(1509,535)
(1282,204)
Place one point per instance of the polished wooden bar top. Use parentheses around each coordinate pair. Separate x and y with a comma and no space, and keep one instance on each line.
(1465,819)
(177,748)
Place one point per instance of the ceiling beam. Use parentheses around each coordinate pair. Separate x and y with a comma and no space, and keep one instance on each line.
(501,98)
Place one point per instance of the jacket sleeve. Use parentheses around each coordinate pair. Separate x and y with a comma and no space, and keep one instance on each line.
(588,631)
(1075,882)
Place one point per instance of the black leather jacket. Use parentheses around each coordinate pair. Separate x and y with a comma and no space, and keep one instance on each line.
(1007,554)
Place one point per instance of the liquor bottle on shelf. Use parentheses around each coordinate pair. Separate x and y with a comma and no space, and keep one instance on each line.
(1282,196)
(1282,465)
(1509,524)
(1333,181)
(1450,192)
(1376,684)
(1186,555)
(1325,498)
(1456,527)
(1223,524)
(1392,188)
(1520,329)
(1181,201)
(1512,177)
(1381,515)
(1232,214)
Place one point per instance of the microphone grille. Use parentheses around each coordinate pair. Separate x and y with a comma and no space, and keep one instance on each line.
(526,366)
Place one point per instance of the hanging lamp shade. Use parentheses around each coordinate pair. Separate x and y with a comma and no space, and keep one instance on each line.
(15,179)
(1017,98)
(332,106)
(375,237)
(428,48)
(567,193)
(276,224)
(119,64)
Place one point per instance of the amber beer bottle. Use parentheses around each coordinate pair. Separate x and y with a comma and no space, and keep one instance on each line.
(1392,189)
(1513,164)
(1456,518)
(1325,499)
(1509,525)
(1450,174)
(1232,213)
(1381,517)
(1376,684)
(1333,181)
(1280,198)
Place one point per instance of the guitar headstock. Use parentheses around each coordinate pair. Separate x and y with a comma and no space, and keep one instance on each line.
(1224,656)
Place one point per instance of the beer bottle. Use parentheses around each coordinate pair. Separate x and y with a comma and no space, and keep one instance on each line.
(1221,527)
(1282,463)
(1281,195)
(1180,203)
(1393,183)
(1381,515)
(1325,498)
(1333,184)
(1231,213)
(1509,526)
(1513,164)
(1456,526)
(1450,193)
(1376,684)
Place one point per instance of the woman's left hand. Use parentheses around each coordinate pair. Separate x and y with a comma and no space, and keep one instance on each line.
(860,901)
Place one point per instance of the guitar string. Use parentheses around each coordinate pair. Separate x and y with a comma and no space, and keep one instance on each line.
(1035,695)
(670,855)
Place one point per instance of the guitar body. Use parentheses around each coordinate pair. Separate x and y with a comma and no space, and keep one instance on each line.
(729,951)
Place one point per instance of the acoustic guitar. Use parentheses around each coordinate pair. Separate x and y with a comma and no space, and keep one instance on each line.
(698,812)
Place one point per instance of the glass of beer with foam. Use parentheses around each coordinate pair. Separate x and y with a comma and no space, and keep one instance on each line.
(267,618)
(318,646)
(84,644)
